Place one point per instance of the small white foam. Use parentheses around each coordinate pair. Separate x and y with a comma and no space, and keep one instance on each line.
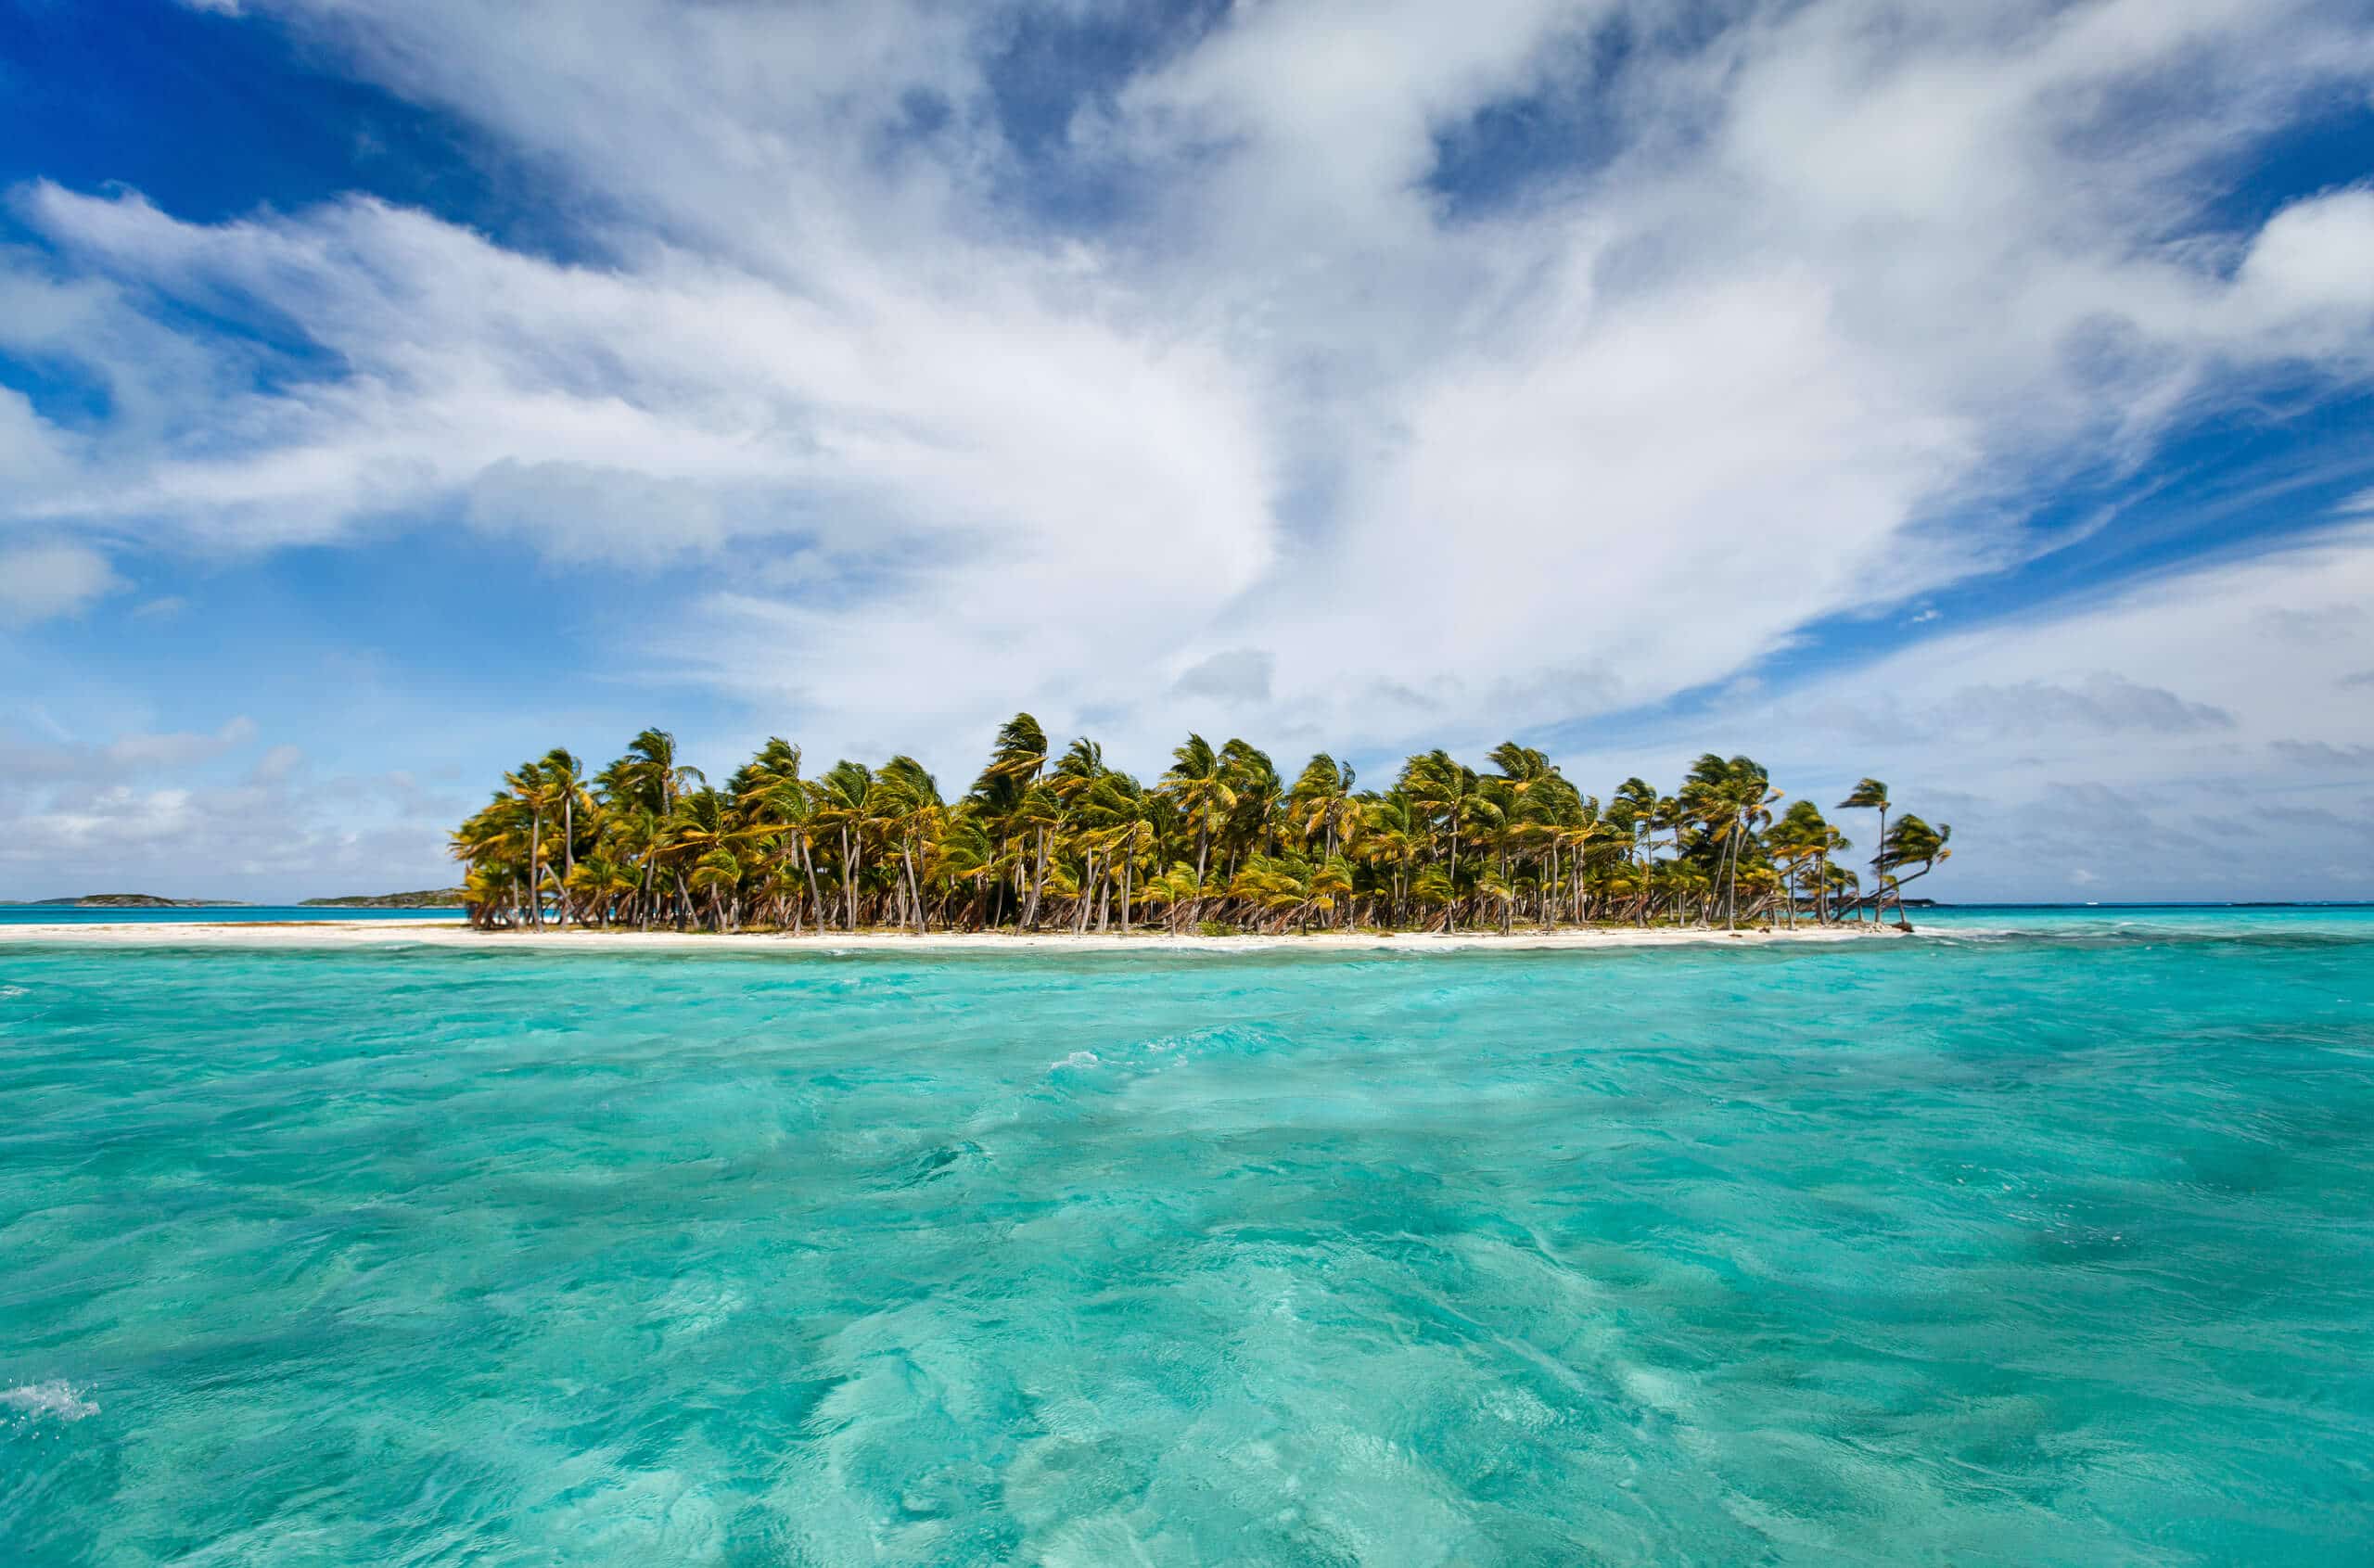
(51,1398)
(1076,1059)
(10,993)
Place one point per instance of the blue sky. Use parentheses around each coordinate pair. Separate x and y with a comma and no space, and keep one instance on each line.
(1975,397)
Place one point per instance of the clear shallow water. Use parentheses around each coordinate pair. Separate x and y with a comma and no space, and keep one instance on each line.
(1998,1248)
(68,915)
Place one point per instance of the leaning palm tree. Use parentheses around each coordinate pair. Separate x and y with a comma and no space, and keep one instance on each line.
(537,794)
(1912,842)
(1801,841)
(1254,822)
(1732,799)
(1633,811)
(651,769)
(1195,784)
(717,874)
(843,799)
(702,825)
(1871,795)
(909,811)
(564,784)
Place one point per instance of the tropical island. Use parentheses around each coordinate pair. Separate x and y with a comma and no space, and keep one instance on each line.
(1221,844)
(430,898)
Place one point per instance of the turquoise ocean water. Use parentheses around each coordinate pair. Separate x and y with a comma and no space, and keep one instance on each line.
(2050,1240)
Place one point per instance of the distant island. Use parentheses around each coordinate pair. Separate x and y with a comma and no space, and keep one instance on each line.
(432,899)
(125,901)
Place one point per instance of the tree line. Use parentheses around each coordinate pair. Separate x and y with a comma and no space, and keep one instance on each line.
(1221,842)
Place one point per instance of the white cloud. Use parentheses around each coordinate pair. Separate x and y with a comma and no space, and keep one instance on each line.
(2315,256)
(175,814)
(38,582)
(2181,738)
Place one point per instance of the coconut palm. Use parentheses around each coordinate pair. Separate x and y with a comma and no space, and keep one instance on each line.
(844,801)
(1732,799)
(1871,795)
(1196,784)
(1911,842)
(1254,819)
(908,809)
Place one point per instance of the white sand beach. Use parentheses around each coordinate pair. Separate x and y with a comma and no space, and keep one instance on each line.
(377,933)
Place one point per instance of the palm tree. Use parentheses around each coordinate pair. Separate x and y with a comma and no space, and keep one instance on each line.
(1322,807)
(1439,789)
(1195,784)
(1259,794)
(843,799)
(777,809)
(1799,840)
(1912,842)
(536,791)
(564,780)
(909,807)
(1871,795)
(1732,799)
(701,827)
(1633,811)
(650,769)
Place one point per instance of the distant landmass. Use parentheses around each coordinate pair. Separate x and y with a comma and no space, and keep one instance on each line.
(433,899)
(125,901)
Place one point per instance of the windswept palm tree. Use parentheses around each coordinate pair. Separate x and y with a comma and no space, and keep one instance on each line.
(1732,800)
(910,810)
(1195,784)
(1254,822)
(1871,795)
(844,800)
(650,770)
(1633,812)
(1912,842)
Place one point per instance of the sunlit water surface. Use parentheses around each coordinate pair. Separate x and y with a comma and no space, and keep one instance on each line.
(1992,1247)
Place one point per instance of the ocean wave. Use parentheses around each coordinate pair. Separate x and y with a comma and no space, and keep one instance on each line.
(56,1398)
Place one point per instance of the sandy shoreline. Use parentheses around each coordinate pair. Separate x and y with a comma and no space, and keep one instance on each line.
(362,934)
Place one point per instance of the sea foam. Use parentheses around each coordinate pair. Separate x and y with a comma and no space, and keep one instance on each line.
(55,1398)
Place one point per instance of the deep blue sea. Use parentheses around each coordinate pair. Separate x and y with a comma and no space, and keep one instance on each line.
(2046,1239)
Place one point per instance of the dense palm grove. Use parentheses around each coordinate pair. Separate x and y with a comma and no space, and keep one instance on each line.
(1222,842)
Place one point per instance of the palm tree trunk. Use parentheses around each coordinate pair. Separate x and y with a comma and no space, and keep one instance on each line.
(807,864)
(1038,886)
(849,884)
(568,847)
(1879,877)
(535,868)
(907,850)
(1450,915)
